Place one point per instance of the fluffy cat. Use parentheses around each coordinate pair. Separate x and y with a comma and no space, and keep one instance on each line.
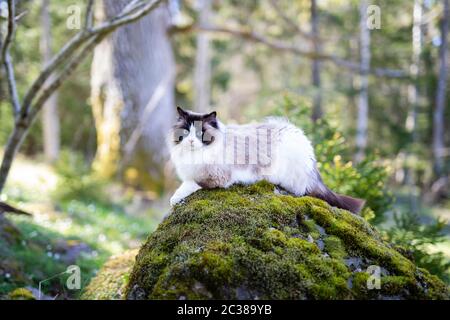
(209,154)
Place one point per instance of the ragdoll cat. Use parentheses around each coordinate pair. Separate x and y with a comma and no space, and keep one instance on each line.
(209,154)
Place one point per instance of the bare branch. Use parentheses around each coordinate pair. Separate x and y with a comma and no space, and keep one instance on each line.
(21,15)
(88,20)
(12,88)
(64,74)
(294,26)
(10,31)
(97,35)
(6,60)
(132,15)
(129,8)
(283,46)
(153,102)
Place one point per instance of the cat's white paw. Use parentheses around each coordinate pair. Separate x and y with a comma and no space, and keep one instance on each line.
(186,189)
(175,199)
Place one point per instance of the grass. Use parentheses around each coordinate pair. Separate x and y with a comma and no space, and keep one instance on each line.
(84,232)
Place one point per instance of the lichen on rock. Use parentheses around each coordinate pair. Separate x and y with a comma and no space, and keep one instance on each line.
(254,242)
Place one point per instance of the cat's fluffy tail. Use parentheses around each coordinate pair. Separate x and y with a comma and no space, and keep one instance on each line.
(351,204)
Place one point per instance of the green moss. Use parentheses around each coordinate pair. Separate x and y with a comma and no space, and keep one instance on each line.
(334,247)
(110,282)
(21,294)
(254,243)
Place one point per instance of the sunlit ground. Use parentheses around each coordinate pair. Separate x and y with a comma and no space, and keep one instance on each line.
(66,232)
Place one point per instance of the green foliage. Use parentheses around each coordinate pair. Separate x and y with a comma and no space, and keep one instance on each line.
(416,237)
(366,180)
(76,181)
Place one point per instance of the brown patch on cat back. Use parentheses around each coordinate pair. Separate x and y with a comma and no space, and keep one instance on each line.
(214,177)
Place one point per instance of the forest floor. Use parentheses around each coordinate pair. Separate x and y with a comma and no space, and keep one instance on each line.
(79,229)
(62,233)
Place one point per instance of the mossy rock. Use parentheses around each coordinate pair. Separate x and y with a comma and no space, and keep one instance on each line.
(258,242)
(110,282)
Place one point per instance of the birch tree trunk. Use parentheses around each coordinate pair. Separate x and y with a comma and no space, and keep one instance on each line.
(413,90)
(317,102)
(50,119)
(202,72)
(133,97)
(363,103)
(438,116)
(413,98)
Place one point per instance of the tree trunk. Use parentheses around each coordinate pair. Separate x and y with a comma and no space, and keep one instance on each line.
(12,146)
(317,102)
(413,90)
(202,72)
(438,116)
(133,97)
(363,103)
(413,98)
(50,119)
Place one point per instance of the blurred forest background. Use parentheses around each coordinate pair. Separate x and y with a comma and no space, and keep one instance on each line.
(88,90)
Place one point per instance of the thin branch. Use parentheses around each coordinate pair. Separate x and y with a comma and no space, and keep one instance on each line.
(21,15)
(132,16)
(283,46)
(12,88)
(99,34)
(153,102)
(88,20)
(10,31)
(129,8)
(64,74)
(6,60)
(292,24)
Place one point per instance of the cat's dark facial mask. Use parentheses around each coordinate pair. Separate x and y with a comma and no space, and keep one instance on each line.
(196,126)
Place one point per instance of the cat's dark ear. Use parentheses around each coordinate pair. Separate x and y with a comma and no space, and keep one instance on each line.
(211,119)
(181,112)
(212,115)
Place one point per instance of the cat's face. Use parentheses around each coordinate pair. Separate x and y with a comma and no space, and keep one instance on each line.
(194,131)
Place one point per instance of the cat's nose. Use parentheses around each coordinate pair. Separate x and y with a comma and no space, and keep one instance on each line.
(191,141)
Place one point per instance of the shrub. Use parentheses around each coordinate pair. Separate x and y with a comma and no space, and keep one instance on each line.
(415,237)
(367,179)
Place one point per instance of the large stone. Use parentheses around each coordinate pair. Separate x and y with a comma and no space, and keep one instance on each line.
(256,242)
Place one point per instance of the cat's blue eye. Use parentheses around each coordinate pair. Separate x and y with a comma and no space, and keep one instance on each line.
(181,134)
